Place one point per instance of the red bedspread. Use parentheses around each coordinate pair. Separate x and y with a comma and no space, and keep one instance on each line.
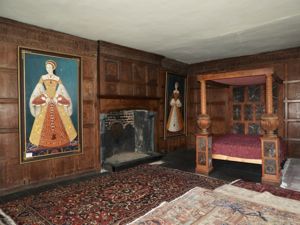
(241,146)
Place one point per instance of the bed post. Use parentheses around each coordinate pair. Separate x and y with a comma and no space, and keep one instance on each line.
(270,142)
(203,140)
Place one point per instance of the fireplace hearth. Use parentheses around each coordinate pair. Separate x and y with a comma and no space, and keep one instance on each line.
(127,138)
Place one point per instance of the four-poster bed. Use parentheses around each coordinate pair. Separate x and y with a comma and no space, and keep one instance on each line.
(265,150)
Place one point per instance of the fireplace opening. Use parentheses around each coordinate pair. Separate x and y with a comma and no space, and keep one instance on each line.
(127,137)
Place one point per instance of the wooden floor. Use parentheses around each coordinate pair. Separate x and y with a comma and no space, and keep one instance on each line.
(225,170)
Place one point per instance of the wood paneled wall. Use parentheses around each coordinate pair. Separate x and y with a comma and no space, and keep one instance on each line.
(218,108)
(128,79)
(131,78)
(286,64)
(128,72)
(12,173)
(114,77)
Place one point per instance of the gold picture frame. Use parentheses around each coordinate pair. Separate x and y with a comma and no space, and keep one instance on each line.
(50,104)
(175,117)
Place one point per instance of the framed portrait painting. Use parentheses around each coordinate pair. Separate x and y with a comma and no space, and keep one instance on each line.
(175,105)
(50,114)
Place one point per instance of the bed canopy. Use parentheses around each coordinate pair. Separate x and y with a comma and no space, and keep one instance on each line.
(268,144)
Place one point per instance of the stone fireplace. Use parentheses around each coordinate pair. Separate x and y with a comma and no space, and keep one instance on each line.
(127,136)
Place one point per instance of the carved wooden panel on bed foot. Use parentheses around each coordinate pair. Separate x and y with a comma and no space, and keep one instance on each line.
(203,154)
(271,172)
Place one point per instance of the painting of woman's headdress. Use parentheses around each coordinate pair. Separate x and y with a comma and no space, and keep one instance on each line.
(50,104)
(175,105)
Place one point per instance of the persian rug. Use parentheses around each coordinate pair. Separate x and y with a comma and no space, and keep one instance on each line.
(290,175)
(278,191)
(115,198)
(264,198)
(203,206)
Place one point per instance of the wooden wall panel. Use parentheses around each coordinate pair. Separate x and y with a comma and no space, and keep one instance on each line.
(293,69)
(286,64)
(140,90)
(13,174)
(41,170)
(294,110)
(9,115)
(293,129)
(152,91)
(139,73)
(108,104)
(127,89)
(217,108)
(126,76)
(292,104)
(88,160)
(90,67)
(8,56)
(9,146)
(88,139)
(89,113)
(293,90)
(108,87)
(193,110)
(293,146)
(280,70)
(89,89)
(152,81)
(9,83)
(3,174)
(111,70)
(161,129)
(217,94)
(194,95)
(126,71)
(64,166)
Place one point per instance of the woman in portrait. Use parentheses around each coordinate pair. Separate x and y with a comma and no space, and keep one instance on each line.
(175,120)
(51,106)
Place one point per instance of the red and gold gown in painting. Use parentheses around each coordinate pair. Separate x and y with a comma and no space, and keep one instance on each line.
(175,120)
(51,106)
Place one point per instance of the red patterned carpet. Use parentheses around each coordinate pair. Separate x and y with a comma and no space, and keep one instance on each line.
(107,199)
(278,191)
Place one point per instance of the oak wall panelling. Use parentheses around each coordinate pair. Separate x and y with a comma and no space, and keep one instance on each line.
(13,174)
(113,76)
(133,79)
(292,107)
(128,80)
(193,110)
(217,108)
(127,72)
(286,64)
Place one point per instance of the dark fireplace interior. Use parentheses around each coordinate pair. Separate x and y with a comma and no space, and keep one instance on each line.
(126,136)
